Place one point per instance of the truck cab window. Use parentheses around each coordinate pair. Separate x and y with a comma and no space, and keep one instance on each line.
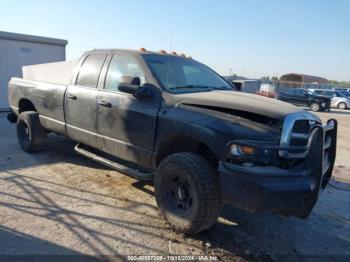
(122,65)
(90,70)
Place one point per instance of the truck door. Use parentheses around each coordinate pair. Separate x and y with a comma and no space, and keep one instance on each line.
(299,97)
(80,101)
(305,98)
(288,96)
(126,124)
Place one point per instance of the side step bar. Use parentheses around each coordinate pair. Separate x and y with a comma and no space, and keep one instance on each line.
(139,175)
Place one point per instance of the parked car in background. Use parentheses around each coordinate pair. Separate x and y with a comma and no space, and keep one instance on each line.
(247,85)
(267,90)
(304,97)
(346,93)
(343,89)
(338,99)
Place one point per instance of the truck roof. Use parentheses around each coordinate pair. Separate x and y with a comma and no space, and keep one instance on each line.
(135,52)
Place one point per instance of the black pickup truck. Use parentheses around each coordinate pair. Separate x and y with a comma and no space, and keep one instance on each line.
(304,97)
(171,119)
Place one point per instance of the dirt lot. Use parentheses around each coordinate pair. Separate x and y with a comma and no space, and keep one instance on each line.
(57,202)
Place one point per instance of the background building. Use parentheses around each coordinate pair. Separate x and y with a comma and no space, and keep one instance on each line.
(302,81)
(248,85)
(303,78)
(17,50)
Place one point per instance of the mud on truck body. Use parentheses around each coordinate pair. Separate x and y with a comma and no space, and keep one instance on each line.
(170,119)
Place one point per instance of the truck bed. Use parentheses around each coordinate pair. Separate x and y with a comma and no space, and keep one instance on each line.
(58,73)
(46,98)
(43,88)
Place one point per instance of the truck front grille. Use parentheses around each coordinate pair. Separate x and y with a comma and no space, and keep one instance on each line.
(300,133)
(297,137)
(329,134)
(296,133)
(301,126)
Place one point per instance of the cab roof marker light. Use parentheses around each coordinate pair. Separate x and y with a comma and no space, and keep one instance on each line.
(173,53)
(183,55)
(163,52)
(142,49)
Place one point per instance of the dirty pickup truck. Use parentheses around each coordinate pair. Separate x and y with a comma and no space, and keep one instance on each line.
(170,119)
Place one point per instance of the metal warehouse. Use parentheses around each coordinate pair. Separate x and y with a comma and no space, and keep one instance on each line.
(303,78)
(17,50)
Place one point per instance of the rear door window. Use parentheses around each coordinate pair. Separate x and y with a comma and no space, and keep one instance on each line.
(90,70)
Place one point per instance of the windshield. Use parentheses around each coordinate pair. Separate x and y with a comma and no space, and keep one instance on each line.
(346,93)
(339,94)
(329,93)
(309,92)
(178,74)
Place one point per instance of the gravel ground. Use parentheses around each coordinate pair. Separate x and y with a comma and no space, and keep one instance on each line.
(59,203)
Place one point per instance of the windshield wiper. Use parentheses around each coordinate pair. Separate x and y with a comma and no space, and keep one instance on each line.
(199,87)
(221,87)
(187,87)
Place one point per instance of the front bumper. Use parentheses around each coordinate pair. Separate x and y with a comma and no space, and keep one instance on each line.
(291,192)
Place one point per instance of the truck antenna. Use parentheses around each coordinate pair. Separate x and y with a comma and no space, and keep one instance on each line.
(170,48)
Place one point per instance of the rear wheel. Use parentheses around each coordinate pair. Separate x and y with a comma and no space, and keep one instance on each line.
(342,106)
(31,134)
(315,107)
(187,192)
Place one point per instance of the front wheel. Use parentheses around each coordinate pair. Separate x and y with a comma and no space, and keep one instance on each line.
(342,106)
(315,107)
(187,192)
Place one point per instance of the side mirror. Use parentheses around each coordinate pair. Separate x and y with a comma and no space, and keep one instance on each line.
(131,85)
(144,91)
(130,80)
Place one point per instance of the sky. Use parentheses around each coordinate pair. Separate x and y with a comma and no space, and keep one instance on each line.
(253,38)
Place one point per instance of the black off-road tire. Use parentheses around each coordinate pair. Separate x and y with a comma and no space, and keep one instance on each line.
(31,135)
(342,106)
(315,107)
(204,186)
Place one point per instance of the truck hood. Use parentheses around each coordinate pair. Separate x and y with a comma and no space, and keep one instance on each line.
(239,102)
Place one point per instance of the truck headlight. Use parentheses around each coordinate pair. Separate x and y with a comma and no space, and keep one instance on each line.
(238,150)
(248,154)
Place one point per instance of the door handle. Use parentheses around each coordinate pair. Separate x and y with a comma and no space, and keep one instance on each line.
(73,97)
(104,103)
